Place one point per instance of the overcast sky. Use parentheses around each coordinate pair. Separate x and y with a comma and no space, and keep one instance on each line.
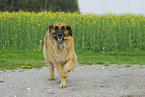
(114,6)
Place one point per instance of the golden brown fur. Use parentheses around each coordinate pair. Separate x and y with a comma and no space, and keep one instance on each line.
(62,55)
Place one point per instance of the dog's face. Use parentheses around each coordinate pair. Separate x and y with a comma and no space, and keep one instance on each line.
(59,31)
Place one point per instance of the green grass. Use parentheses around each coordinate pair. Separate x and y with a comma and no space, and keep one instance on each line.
(107,58)
(16,59)
(13,59)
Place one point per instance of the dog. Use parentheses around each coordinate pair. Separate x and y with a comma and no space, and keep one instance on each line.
(59,51)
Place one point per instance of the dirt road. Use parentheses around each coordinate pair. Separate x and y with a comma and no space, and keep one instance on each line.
(84,81)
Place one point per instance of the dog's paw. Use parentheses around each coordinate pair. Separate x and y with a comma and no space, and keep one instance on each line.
(62,84)
(51,78)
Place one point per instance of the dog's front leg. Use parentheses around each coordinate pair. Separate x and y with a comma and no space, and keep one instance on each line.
(68,66)
(62,79)
(51,67)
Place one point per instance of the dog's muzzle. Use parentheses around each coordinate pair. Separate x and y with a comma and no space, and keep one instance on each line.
(58,35)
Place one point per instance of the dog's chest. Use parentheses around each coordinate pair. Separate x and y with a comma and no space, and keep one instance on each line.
(60,53)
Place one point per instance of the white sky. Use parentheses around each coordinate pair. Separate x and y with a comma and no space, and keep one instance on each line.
(114,6)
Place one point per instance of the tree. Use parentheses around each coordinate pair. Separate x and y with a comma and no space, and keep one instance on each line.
(68,5)
(39,5)
(45,6)
(3,5)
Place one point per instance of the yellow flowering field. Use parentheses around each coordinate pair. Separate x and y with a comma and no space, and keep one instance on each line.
(26,30)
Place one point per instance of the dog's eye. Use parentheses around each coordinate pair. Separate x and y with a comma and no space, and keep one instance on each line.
(50,27)
(63,28)
(68,28)
(56,28)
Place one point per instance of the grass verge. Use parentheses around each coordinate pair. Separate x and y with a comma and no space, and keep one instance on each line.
(115,57)
(13,59)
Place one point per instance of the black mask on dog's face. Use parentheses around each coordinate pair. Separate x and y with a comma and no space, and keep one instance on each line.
(59,32)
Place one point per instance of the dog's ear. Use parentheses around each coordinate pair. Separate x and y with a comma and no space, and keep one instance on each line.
(69,30)
(50,28)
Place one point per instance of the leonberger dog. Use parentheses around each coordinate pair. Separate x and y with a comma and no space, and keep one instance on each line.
(59,50)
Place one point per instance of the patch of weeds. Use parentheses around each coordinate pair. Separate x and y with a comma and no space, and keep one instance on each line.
(21,70)
(26,66)
(5,71)
(99,62)
(88,63)
(112,62)
(119,67)
(141,67)
(106,64)
(73,89)
(51,93)
(1,81)
(128,66)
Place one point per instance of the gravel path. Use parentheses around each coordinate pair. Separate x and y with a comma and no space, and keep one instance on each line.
(84,81)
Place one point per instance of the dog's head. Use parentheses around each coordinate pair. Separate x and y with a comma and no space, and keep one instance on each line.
(60,31)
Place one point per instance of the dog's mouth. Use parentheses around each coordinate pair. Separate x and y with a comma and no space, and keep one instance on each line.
(59,38)
(59,35)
